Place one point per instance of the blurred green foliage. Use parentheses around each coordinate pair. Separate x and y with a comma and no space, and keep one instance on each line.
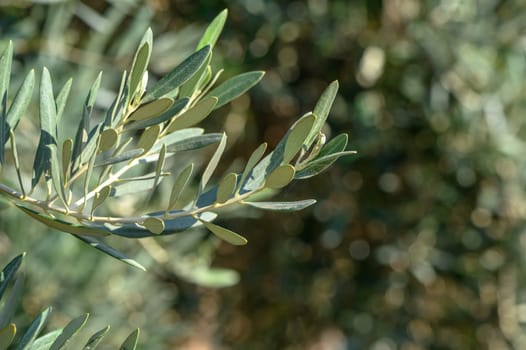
(414,244)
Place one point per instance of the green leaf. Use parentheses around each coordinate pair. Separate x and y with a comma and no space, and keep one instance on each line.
(100,197)
(211,277)
(297,136)
(67,150)
(320,164)
(14,153)
(195,142)
(95,339)
(213,30)
(152,109)
(178,75)
(7,334)
(235,87)
(91,146)
(140,62)
(56,174)
(11,304)
(154,225)
(321,111)
(149,137)
(5,72)
(212,164)
(64,226)
(9,272)
(252,161)
(195,82)
(166,116)
(179,185)
(45,341)
(226,187)
(131,342)
(34,329)
(124,156)
(69,332)
(62,98)
(48,128)
(337,144)
(193,115)
(177,136)
(225,234)
(21,100)
(282,206)
(108,138)
(99,245)
(280,177)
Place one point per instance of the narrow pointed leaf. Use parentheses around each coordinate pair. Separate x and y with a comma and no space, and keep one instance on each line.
(108,138)
(213,30)
(225,234)
(14,153)
(99,245)
(212,164)
(95,339)
(194,115)
(34,329)
(69,332)
(177,136)
(178,75)
(322,110)
(131,342)
(235,87)
(179,185)
(11,304)
(149,137)
(7,334)
(91,146)
(151,109)
(187,89)
(140,62)
(5,72)
(56,174)
(131,187)
(226,187)
(123,157)
(337,144)
(320,164)
(282,206)
(45,341)
(21,100)
(297,136)
(280,177)
(252,161)
(195,142)
(154,225)
(177,106)
(67,151)
(9,272)
(100,197)
(62,98)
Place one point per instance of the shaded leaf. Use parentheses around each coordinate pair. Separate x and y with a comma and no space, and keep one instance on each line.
(235,87)
(195,142)
(320,164)
(177,136)
(179,185)
(193,115)
(177,106)
(280,177)
(131,186)
(213,30)
(187,89)
(179,75)
(124,156)
(225,234)
(131,342)
(151,110)
(212,164)
(297,136)
(108,138)
(69,332)
(9,272)
(252,161)
(100,197)
(34,329)
(11,304)
(95,339)
(154,225)
(67,150)
(21,101)
(282,206)
(140,62)
(226,187)
(149,137)
(321,110)
(62,98)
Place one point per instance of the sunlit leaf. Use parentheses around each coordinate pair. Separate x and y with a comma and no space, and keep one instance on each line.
(179,185)
(56,174)
(62,98)
(21,101)
(297,135)
(124,156)
(34,329)
(131,342)
(95,339)
(177,106)
(235,87)
(9,272)
(45,341)
(154,225)
(108,138)
(195,142)
(282,206)
(67,150)
(252,161)
(178,75)
(100,197)
(151,109)
(140,62)
(213,30)
(11,304)
(193,115)
(322,110)
(149,137)
(320,164)
(69,332)
(187,89)
(212,164)
(280,177)
(225,234)
(7,334)
(226,187)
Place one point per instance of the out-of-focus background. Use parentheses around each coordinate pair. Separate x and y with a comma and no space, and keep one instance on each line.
(415,243)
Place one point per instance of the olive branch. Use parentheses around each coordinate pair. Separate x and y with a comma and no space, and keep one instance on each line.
(74,178)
